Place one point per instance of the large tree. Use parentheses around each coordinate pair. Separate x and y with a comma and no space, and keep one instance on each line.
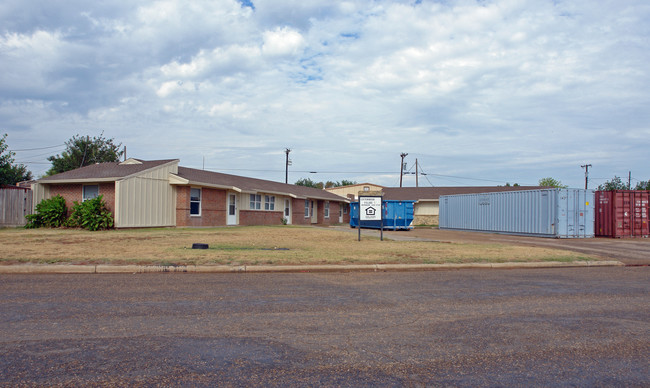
(11,173)
(83,151)
(319,185)
(309,183)
(551,182)
(615,184)
(643,185)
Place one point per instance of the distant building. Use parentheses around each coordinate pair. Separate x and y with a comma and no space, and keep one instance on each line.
(426,207)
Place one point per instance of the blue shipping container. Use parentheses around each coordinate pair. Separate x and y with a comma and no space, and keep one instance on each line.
(397,215)
(560,213)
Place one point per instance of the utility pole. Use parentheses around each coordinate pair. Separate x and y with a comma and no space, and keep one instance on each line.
(287,164)
(401,168)
(416,172)
(586,167)
(629,180)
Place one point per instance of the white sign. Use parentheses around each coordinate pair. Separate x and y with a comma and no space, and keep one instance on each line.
(370,208)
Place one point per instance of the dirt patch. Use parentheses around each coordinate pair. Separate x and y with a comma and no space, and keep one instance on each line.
(629,251)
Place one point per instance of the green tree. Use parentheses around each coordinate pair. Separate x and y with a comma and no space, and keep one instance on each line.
(11,173)
(615,184)
(643,185)
(551,182)
(347,183)
(309,183)
(83,151)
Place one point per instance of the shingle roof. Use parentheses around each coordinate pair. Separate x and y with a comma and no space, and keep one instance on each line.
(105,171)
(253,184)
(429,193)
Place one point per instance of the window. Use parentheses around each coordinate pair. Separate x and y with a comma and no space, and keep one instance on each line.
(269,202)
(327,209)
(256,202)
(90,192)
(195,202)
(306,208)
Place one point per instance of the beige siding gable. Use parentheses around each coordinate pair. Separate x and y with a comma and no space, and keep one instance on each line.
(146,199)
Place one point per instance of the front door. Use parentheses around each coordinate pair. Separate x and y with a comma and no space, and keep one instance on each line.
(287,211)
(231,219)
(314,212)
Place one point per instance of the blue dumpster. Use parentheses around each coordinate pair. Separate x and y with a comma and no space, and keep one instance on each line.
(397,215)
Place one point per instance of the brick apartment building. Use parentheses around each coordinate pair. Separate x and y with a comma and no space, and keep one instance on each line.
(160,193)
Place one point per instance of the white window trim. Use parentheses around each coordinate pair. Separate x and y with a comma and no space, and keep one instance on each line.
(83,192)
(326,209)
(307,209)
(255,202)
(269,202)
(200,201)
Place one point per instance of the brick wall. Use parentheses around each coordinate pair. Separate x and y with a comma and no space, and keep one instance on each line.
(74,192)
(213,207)
(298,213)
(260,217)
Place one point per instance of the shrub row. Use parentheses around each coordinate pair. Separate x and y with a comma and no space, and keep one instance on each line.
(52,213)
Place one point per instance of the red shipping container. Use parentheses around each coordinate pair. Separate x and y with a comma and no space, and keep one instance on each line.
(622,213)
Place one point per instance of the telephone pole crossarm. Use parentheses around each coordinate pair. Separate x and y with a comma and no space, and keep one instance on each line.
(586,167)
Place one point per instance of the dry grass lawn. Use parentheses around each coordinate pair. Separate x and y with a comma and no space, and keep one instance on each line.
(248,246)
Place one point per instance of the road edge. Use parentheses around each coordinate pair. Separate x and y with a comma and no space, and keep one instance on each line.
(116,269)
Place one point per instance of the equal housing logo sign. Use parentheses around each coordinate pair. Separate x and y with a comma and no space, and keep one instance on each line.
(370,209)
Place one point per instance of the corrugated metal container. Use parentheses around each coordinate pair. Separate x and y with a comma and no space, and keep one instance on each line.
(559,213)
(622,213)
(398,215)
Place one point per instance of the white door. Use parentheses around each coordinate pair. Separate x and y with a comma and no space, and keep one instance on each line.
(340,213)
(231,218)
(314,212)
(287,211)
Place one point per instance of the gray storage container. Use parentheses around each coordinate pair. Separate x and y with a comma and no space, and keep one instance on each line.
(560,213)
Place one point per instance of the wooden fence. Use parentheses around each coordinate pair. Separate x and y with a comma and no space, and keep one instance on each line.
(15,204)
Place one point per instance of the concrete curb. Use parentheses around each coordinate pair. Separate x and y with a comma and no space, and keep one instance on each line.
(116,269)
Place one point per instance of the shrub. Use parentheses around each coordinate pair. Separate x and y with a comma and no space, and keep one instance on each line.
(50,213)
(91,214)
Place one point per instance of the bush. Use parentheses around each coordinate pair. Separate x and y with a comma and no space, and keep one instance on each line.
(50,213)
(91,214)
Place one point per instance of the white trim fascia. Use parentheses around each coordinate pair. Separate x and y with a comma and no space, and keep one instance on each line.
(275,193)
(324,198)
(175,180)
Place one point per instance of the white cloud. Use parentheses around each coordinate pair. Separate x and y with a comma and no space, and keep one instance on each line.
(505,89)
(282,41)
(26,60)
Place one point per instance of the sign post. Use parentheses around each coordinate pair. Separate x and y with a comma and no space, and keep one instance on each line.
(370,209)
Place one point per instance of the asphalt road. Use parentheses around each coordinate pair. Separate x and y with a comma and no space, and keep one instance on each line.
(544,327)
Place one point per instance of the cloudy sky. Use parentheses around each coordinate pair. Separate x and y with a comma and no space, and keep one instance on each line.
(480,92)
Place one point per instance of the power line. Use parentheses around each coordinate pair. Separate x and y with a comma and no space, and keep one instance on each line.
(38,149)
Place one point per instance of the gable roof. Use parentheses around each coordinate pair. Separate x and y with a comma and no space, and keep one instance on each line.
(434,193)
(250,185)
(106,172)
